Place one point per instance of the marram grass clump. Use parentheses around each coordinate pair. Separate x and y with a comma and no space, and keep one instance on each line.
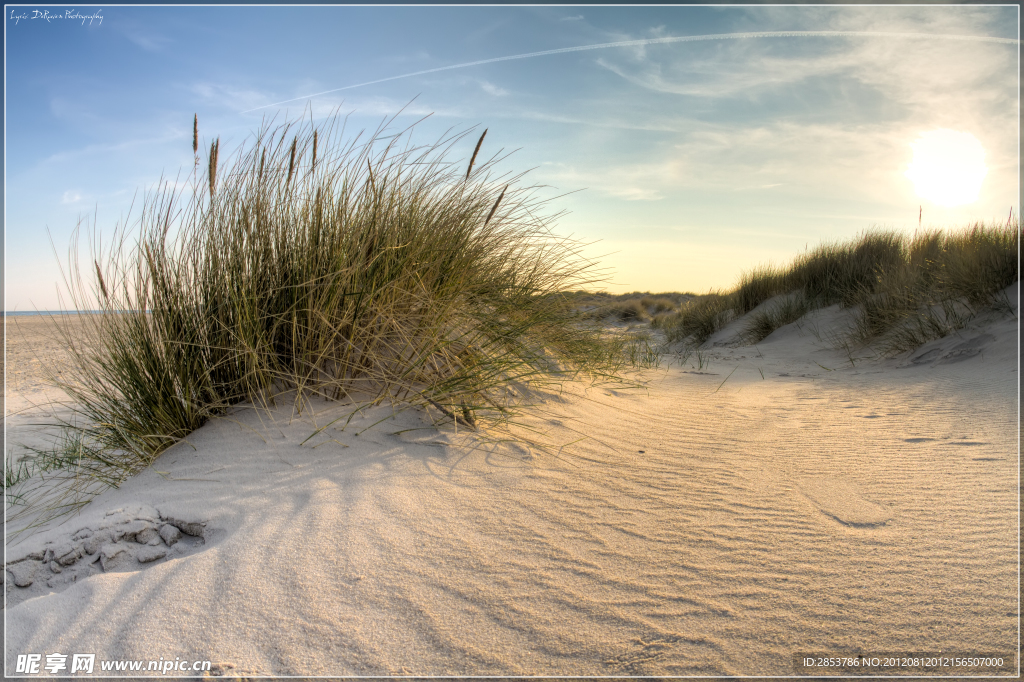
(700,317)
(785,311)
(906,290)
(380,272)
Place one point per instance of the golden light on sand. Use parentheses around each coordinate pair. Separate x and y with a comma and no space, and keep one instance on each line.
(948,167)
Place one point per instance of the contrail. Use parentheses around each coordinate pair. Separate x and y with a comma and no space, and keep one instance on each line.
(657,41)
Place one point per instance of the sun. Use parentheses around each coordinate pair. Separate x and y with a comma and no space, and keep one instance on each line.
(948,167)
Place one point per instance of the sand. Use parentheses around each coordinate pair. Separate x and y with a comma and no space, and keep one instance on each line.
(717,523)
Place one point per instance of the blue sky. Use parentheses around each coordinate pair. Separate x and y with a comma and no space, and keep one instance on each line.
(688,162)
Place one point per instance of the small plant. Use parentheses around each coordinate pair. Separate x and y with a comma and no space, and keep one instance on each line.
(15,473)
(640,351)
(842,341)
(683,356)
(58,480)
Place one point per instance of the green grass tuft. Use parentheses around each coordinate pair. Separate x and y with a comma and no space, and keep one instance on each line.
(909,290)
(380,271)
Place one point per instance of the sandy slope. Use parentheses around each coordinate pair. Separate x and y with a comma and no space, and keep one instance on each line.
(836,505)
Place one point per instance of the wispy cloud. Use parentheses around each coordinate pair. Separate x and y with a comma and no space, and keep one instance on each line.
(420,56)
(582,122)
(917,76)
(827,157)
(884,92)
(857,163)
(105,150)
(492,89)
(640,45)
(718,78)
(632,182)
(149,42)
(226,96)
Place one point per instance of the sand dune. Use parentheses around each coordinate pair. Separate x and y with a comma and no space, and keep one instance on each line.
(787,498)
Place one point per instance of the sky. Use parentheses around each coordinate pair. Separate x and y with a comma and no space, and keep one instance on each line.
(681,163)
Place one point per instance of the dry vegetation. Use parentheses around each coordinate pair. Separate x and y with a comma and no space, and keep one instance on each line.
(312,267)
(905,290)
(627,308)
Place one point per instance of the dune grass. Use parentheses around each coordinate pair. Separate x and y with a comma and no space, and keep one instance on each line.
(346,270)
(628,311)
(629,307)
(907,290)
(700,317)
(374,270)
(786,311)
(655,305)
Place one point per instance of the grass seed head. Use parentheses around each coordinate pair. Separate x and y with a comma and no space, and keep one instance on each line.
(103,285)
(495,207)
(291,158)
(214,149)
(475,152)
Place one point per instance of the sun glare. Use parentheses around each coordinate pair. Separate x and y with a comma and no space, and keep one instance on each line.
(948,167)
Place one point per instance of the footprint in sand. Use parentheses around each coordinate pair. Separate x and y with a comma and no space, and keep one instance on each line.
(927,356)
(968,349)
(839,499)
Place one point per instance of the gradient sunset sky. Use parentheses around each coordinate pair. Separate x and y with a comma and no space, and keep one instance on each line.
(688,162)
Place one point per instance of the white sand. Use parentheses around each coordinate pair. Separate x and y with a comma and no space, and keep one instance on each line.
(701,528)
